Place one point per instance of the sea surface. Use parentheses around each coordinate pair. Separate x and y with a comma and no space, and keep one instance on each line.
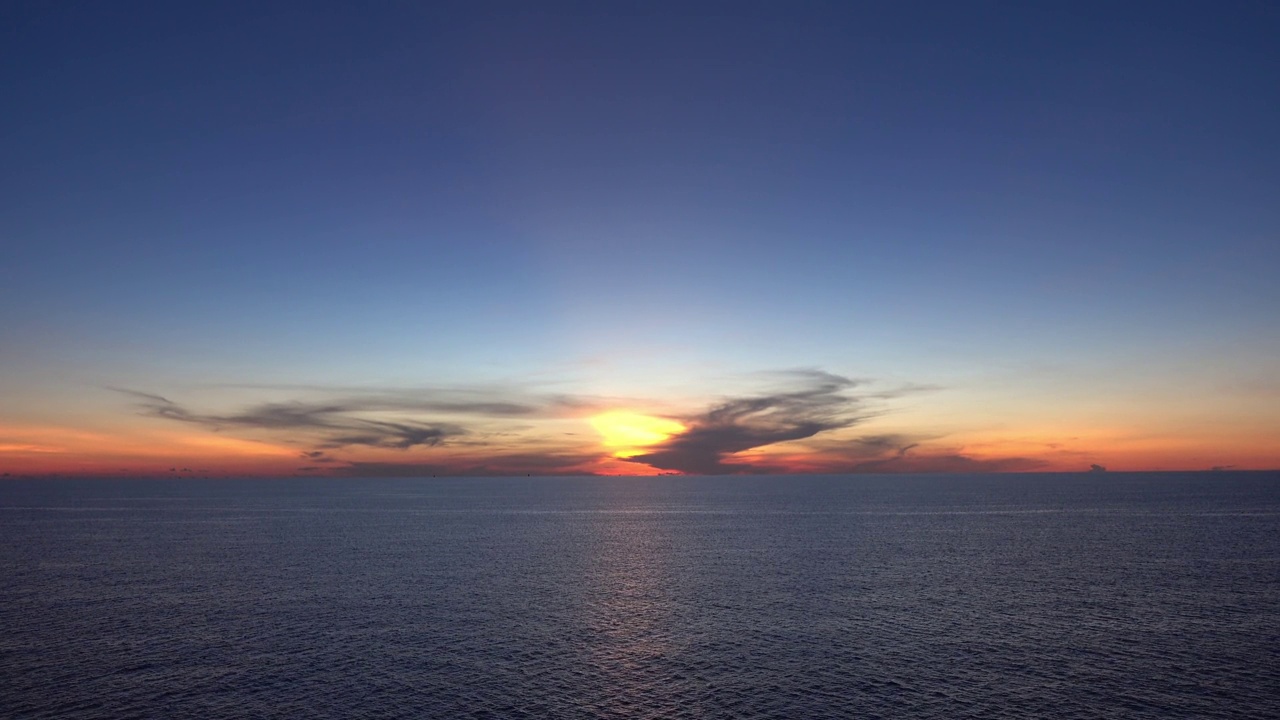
(981,596)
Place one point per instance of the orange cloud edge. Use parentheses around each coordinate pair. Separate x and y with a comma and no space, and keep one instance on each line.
(50,452)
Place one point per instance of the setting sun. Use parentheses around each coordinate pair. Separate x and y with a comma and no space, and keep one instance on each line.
(624,431)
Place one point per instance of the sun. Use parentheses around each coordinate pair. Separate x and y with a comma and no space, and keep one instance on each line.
(626,432)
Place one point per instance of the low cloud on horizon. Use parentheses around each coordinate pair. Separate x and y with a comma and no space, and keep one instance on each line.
(449,431)
(820,403)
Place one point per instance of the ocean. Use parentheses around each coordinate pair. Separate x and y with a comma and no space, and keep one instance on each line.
(966,596)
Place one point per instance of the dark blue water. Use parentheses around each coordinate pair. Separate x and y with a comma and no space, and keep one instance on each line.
(1059,596)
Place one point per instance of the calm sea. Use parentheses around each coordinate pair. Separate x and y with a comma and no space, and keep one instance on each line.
(1064,596)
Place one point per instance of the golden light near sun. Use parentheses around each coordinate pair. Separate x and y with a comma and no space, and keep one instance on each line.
(627,432)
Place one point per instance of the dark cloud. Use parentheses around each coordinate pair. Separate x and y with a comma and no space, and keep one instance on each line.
(903,454)
(946,463)
(485,402)
(382,418)
(401,435)
(801,405)
(548,464)
(900,453)
(819,404)
(158,406)
(324,425)
(872,446)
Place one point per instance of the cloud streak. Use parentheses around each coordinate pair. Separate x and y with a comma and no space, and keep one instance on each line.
(328,425)
(542,464)
(819,403)
(495,431)
(944,462)
(897,453)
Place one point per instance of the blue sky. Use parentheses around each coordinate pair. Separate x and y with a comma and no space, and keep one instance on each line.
(649,200)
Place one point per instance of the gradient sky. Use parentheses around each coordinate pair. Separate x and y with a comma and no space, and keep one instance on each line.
(404,238)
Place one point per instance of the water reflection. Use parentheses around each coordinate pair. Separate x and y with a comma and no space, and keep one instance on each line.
(629,609)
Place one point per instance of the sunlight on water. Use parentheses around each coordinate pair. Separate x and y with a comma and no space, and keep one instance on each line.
(980,596)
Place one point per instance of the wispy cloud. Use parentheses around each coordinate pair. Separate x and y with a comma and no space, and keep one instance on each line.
(818,402)
(899,453)
(486,402)
(325,425)
(944,462)
(494,431)
(502,466)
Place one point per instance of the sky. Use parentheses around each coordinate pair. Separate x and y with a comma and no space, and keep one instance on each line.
(627,238)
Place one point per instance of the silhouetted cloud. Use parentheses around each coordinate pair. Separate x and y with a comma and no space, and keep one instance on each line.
(872,446)
(900,453)
(402,435)
(486,402)
(894,453)
(945,463)
(157,405)
(325,425)
(818,405)
(485,433)
(541,464)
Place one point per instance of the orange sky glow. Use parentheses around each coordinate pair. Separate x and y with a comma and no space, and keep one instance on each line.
(615,441)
